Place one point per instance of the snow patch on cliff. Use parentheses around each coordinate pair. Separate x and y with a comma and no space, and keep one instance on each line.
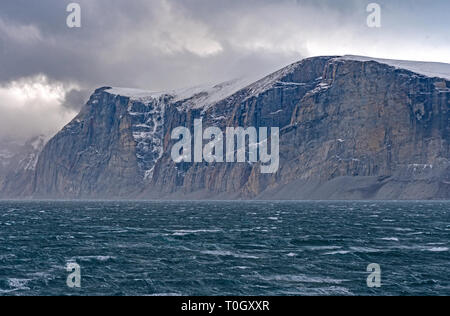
(148,132)
(271,80)
(198,97)
(429,69)
(135,94)
(203,97)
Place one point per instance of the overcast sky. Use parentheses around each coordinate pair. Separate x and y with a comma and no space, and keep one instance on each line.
(47,70)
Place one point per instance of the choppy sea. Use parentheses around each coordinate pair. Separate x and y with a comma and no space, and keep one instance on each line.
(224,248)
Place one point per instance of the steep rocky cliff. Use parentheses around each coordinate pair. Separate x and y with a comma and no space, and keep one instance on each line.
(351,128)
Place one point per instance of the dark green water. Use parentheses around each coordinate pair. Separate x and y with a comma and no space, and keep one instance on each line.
(224,248)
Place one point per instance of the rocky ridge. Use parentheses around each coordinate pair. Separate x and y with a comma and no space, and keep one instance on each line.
(351,128)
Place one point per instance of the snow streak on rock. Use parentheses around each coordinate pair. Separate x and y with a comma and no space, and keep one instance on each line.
(148,132)
(428,69)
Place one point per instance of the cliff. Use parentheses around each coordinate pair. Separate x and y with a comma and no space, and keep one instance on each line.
(351,128)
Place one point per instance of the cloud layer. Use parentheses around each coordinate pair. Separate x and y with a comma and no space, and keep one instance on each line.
(165,44)
(33,106)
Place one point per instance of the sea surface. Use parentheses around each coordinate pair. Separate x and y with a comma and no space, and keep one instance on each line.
(224,248)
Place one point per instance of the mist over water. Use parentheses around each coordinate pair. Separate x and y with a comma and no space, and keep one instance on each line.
(224,248)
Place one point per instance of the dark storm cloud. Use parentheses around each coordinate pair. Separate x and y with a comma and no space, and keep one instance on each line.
(74,99)
(160,44)
(113,46)
(165,44)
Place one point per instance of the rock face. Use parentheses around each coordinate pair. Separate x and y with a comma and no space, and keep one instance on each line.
(93,156)
(351,128)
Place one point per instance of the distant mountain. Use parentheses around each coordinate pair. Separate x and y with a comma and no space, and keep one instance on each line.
(351,128)
(17,166)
